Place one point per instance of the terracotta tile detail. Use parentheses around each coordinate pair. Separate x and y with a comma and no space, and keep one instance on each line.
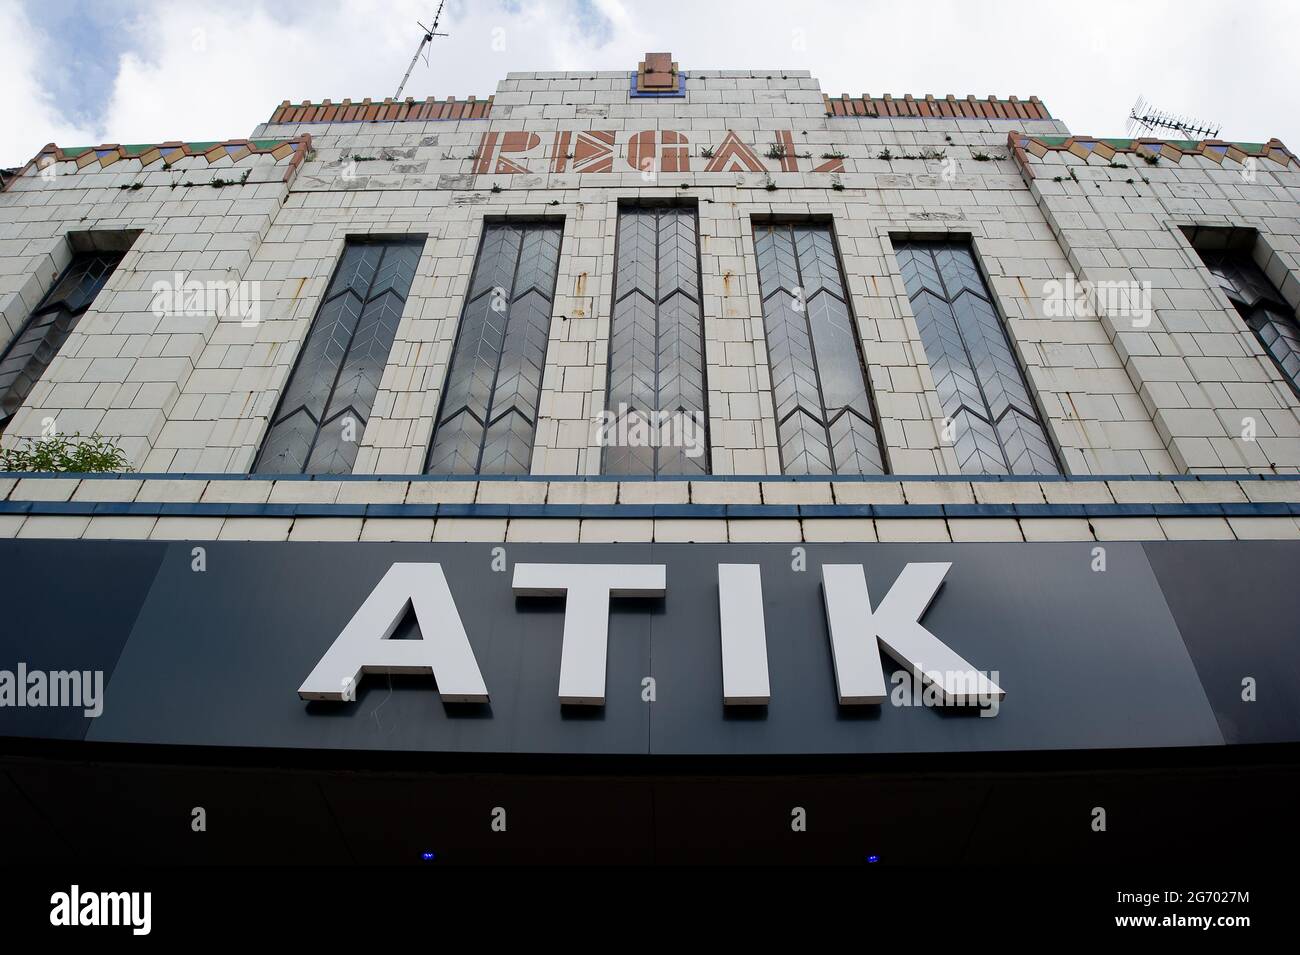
(657,73)
(295,150)
(388,111)
(931,107)
(1022,147)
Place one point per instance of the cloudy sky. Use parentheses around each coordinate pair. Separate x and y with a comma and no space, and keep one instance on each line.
(83,72)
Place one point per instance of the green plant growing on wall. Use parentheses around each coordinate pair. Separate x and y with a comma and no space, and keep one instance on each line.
(775,151)
(219,183)
(66,454)
(1152,160)
(707,152)
(835,155)
(885,154)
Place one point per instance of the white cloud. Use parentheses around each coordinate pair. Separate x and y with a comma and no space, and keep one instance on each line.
(207,70)
(28,116)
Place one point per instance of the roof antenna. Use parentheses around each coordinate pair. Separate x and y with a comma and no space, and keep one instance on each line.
(1145,117)
(429,34)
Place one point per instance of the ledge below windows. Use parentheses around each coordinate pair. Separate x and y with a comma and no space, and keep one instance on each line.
(930,497)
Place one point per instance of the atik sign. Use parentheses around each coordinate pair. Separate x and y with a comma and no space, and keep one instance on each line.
(857,633)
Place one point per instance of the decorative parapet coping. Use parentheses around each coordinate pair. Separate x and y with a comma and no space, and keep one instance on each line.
(387,111)
(1085,147)
(295,150)
(948,107)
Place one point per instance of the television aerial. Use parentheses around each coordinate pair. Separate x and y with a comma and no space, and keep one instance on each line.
(429,33)
(1146,118)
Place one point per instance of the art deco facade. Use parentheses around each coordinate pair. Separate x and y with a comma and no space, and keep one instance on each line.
(768,347)
(834,287)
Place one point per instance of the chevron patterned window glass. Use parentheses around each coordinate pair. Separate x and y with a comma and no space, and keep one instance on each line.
(29,353)
(322,415)
(995,425)
(488,416)
(656,348)
(825,419)
(1260,305)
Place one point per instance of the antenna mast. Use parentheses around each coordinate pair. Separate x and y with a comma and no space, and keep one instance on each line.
(429,33)
(1150,120)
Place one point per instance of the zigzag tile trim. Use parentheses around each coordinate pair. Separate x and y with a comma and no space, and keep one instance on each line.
(947,107)
(1173,150)
(387,111)
(295,150)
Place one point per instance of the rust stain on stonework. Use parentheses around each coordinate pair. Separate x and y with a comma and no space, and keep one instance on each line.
(580,287)
(1023,290)
(298,291)
(726,282)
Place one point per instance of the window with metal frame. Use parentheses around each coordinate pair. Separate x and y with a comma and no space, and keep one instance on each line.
(656,395)
(1261,305)
(995,425)
(488,415)
(327,401)
(30,352)
(825,419)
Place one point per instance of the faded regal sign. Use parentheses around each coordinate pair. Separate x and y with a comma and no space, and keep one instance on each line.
(597,150)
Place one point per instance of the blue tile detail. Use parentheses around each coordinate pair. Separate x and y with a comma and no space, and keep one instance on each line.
(908,510)
(979,510)
(679,94)
(401,510)
(762,510)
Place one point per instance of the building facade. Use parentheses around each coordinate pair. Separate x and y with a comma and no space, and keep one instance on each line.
(670,306)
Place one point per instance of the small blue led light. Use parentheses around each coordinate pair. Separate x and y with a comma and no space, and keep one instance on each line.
(873,858)
(427,856)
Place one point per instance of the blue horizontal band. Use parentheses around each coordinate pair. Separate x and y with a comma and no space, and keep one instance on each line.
(649,511)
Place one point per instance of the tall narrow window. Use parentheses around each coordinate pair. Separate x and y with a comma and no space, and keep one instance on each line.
(30,352)
(825,421)
(1261,306)
(322,415)
(488,416)
(656,347)
(995,426)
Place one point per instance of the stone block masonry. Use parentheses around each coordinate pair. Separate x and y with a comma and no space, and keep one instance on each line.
(1185,390)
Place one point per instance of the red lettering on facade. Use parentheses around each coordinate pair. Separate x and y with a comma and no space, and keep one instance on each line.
(785,149)
(594,151)
(676,156)
(667,150)
(734,156)
(496,145)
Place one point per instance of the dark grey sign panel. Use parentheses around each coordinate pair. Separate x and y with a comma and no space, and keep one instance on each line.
(1238,610)
(1087,659)
(67,608)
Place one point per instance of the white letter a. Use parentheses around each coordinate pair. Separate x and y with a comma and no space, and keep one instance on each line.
(363,646)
